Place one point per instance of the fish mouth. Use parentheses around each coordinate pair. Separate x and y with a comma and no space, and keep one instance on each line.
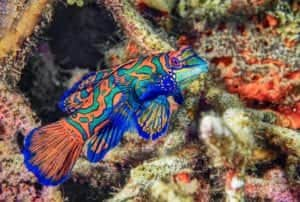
(185,76)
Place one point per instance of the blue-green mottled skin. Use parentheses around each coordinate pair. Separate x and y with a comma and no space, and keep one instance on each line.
(135,76)
(104,105)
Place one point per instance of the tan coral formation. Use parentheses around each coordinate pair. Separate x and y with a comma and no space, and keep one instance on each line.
(249,122)
(16,184)
(20,20)
(11,41)
(15,113)
(136,27)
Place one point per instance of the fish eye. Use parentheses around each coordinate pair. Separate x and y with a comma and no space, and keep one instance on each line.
(175,62)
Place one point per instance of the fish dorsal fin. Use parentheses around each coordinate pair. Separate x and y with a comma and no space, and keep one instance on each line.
(152,118)
(110,135)
(75,96)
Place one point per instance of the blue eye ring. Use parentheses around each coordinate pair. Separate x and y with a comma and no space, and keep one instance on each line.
(175,62)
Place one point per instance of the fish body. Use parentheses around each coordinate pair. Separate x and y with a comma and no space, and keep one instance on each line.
(103,105)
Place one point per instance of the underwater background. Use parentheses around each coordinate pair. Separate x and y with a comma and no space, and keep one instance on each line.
(235,138)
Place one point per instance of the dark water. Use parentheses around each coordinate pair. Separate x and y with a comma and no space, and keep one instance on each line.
(77,38)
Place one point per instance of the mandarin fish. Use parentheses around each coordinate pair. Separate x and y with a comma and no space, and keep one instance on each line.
(104,105)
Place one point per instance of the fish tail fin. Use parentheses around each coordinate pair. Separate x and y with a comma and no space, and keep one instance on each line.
(50,152)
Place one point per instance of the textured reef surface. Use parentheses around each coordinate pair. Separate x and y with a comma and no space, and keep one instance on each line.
(235,138)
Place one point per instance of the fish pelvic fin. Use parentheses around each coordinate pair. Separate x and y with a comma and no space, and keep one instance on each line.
(98,145)
(152,118)
(110,135)
(51,151)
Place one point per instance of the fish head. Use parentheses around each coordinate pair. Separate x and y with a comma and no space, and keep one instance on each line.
(186,65)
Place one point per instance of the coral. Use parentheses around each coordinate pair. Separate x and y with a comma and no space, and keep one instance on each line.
(154,174)
(238,129)
(289,17)
(245,123)
(16,184)
(165,192)
(79,3)
(189,7)
(11,41)
(239,122)
(163,6)
(139,150)
(15,113)
(214,9)
(237,141)
(136,27)
(257,69)
(273,186)
(182,187)
(102,175)
(20,21)
(143,176)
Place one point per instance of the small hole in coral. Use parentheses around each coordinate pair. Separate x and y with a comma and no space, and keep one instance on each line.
(38,186)
(197,19)
(2,130)
(255,78)
(20,140)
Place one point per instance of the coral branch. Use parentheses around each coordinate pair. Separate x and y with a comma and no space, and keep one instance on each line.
(11,42)
(219,9)
(145,175)
(20,20)
(287,139)
(137,28)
